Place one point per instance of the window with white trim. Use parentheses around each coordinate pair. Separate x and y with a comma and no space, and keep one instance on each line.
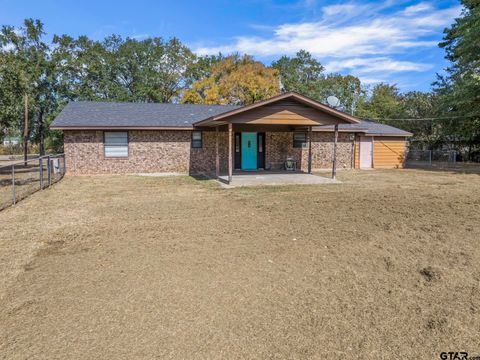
(115,143)
(197,139)
(299,139)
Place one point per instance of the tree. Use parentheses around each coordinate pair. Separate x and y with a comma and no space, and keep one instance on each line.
(202,67)
(422,106)
(83,68)
(459,90)
(305,75)
(151,70)
(236,80)
(26,68)
(384,103)
(348,89)
(12,89)
(300,73)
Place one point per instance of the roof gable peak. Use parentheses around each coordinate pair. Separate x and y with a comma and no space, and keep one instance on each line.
(341,116)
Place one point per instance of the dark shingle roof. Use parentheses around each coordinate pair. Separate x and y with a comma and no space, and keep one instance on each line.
(380,129)
(370,127)
(111,114)
(87,114)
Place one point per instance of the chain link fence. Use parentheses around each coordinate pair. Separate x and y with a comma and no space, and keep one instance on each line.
(431,158)
(21,179)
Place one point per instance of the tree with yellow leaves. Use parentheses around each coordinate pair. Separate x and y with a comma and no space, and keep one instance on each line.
(235,80)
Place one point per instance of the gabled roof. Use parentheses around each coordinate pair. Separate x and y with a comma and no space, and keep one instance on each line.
(343,117)
(150,116)
(100,115)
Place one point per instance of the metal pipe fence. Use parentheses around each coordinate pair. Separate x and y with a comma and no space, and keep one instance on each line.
(431,158)
(21,179)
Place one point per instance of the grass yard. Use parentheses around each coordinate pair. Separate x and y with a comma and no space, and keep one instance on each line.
(384,265)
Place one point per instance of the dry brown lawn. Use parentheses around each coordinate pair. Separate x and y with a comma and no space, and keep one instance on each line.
(27,181)
(385,265)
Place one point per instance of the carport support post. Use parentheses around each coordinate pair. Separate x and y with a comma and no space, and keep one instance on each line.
(217,157)
(334,167)
(309,149)
(230,158)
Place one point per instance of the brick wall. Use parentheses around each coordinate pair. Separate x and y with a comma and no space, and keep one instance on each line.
(203,160)
(279,146)
(170,151)
(149,152)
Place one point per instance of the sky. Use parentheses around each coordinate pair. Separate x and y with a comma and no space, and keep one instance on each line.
(378,41)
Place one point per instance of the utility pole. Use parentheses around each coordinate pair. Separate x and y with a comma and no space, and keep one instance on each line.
(25,132)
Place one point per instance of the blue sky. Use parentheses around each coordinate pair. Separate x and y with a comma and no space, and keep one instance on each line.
(391,41)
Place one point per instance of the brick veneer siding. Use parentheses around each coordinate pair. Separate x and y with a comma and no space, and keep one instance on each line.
(170,151)
(279,146)
(203,160)
(149,151)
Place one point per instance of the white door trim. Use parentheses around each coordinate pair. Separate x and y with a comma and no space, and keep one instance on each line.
(366,152)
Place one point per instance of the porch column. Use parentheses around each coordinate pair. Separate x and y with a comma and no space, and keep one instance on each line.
(230,157)
(334,167)
(217,157)
(309,149)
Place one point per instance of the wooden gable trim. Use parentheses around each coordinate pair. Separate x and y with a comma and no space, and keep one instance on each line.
(216,120)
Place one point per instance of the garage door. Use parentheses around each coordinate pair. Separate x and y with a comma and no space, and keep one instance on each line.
(389,152)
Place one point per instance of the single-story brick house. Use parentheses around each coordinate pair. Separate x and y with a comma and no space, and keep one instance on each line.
(108,137)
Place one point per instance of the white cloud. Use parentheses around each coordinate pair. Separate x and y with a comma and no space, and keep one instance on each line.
(349,35)
(339,9)
(420,7)
(371,81)
(367,35)
(377,64)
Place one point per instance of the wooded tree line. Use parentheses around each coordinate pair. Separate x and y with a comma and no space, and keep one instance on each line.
(51,73)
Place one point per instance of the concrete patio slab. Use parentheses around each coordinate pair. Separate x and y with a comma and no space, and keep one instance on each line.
(266,178)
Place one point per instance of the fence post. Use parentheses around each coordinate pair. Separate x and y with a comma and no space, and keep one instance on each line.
(40,172)
(49,169)
(13,185)
(61,168)
(430,157)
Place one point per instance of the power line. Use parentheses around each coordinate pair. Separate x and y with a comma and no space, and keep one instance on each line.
(428,119)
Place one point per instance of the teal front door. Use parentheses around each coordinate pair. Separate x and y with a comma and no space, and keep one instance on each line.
(249,151)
